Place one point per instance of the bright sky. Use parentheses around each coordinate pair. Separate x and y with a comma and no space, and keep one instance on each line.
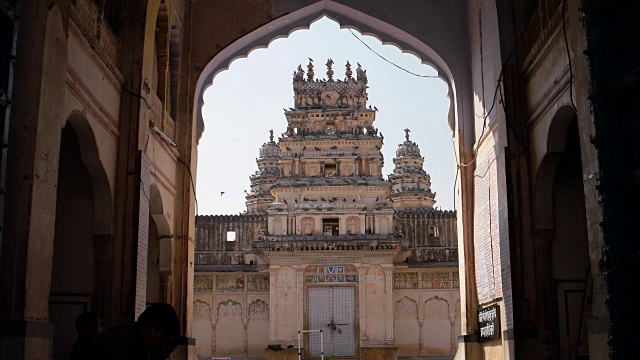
(246,101)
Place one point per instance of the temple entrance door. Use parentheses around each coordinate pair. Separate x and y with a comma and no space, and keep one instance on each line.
(331,309)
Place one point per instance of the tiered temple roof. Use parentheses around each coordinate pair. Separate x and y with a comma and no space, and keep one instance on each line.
(323,177)
(411,184)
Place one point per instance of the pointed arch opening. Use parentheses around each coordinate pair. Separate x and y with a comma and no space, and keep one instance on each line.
(348,18)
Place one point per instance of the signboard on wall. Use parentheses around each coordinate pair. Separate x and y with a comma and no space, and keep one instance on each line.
(489,323)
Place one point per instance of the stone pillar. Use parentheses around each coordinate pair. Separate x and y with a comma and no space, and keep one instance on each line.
(300,295)
(32,172)
(421,332)
(245,342)
(362,297)
(318,223)
(213,335)
(273,279)
(388,289)
(356,167)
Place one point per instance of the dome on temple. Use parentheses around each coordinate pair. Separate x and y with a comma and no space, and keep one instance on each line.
(270,149)
(408,148)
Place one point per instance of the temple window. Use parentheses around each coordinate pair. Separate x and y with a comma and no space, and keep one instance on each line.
(231,236)
(433,231)
(330,226)
(330,170)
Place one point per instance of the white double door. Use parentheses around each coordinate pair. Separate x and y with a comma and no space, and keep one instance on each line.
(332,310)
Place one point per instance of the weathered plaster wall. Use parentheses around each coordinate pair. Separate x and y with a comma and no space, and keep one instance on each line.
(426,314)
(419,314)
(231,314)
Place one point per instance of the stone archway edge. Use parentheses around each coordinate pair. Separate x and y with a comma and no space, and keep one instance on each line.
(302,19)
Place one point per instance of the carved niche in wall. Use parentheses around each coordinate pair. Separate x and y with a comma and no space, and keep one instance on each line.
(201,310)
(346,169)
(259,310)
(308,225)
(353,225)
(311,169)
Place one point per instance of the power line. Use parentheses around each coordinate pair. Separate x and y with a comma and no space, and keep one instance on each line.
(390,62)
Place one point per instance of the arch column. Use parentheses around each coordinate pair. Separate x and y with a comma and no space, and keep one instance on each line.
(32,170)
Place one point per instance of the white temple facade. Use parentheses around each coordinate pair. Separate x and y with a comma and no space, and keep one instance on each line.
(327,243)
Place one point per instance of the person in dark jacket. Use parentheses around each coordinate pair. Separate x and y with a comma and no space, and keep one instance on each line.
(89,327)
(153,336)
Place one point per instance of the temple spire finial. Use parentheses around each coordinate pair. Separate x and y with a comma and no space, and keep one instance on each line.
(329,70)
(348,73)
(407,131)
(310,70)
(271,135)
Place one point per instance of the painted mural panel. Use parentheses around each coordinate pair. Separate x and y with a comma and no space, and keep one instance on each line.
(203,283)
(259,282)
(437,280)
(230,282)
(405,280)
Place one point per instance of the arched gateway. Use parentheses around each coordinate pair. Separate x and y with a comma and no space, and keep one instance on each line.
(336,244)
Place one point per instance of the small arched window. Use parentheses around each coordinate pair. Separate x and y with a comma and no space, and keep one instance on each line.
(433,231)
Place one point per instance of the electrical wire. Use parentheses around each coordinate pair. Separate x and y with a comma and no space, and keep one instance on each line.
(510,125)
(498,88)
(390,62)
(193,186)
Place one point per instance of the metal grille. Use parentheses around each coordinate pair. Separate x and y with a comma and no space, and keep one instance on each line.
(331,309)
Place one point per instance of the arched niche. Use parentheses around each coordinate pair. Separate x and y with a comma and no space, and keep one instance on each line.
(80,267)
(90,157)
(160,248)
(562,261)
(302,19)
(556,142)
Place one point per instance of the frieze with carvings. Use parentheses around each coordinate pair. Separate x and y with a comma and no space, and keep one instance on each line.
(405,280)
(259,282)
(203,283)
(230,282)
(313,279)
(437,280)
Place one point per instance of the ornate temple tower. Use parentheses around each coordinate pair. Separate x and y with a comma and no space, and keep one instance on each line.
(331,162)
(411,185)
(327,244)
(268,172)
